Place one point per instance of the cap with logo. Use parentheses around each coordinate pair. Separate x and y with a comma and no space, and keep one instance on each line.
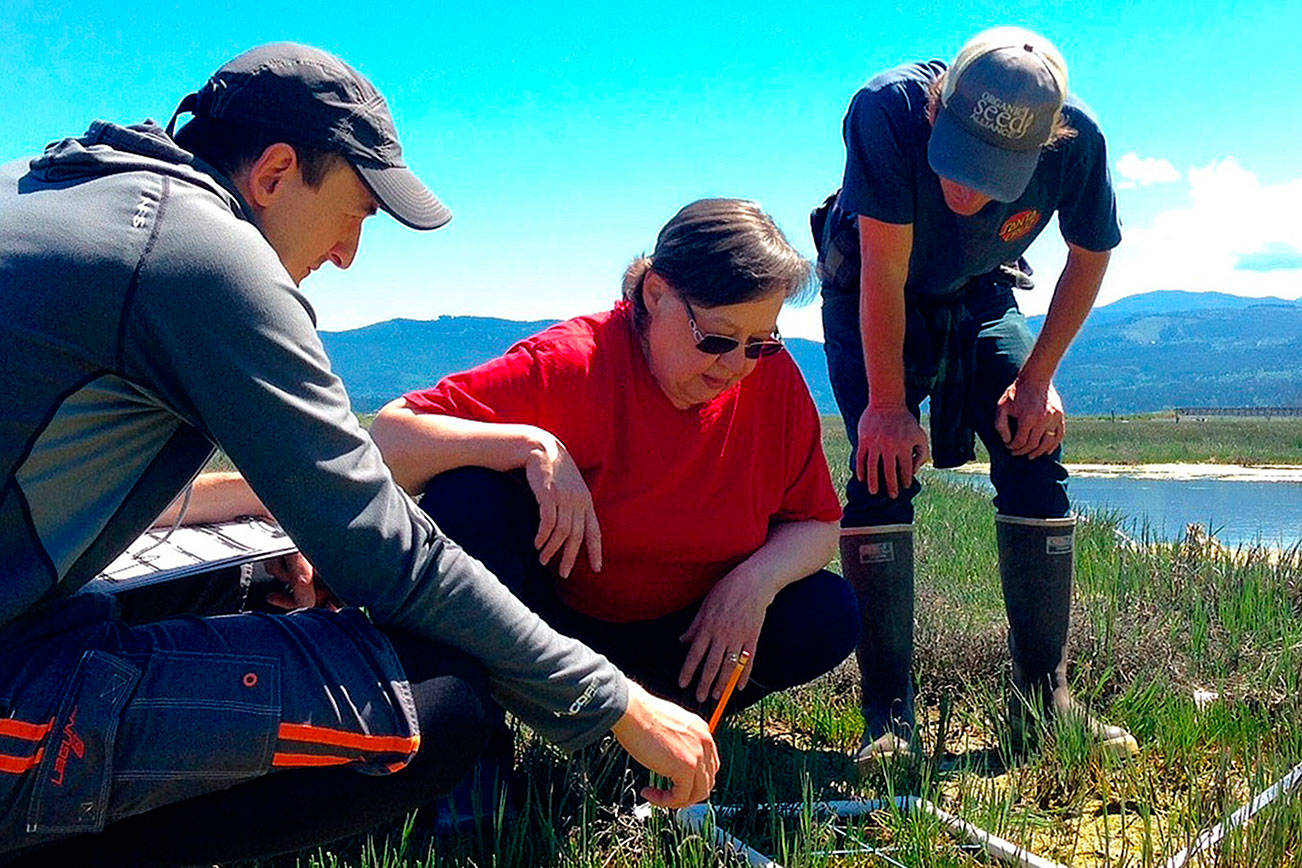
(315,99)
(998,105)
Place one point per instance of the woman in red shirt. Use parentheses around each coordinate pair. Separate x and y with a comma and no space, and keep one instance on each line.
(674,506)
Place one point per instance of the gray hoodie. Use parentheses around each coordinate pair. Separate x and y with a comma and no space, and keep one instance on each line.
(143,319)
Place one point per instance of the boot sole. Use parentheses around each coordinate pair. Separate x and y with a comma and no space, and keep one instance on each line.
(1122,747)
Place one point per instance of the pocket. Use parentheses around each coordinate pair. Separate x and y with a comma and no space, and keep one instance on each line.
(198,722)
(72,789)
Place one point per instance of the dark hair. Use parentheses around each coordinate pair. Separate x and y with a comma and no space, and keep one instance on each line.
(230,148)
(719,251)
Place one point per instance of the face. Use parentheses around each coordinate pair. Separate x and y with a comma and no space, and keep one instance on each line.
(686,375)
(308,227)
(963,201)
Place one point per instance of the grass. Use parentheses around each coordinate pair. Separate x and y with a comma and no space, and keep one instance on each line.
(1151,625)
(1160,439)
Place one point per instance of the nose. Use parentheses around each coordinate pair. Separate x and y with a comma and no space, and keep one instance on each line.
(345,249)
(962,199)
(734,361)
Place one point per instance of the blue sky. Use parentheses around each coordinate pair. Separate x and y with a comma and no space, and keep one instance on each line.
(564,135)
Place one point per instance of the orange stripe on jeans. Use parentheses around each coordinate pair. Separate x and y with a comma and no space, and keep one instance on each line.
(21,729)
(16,765)
(355,740)
(291,760)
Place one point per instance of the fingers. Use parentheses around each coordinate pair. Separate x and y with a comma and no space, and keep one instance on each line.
(903,476)
(573,542)
(1050,440)
(725,673)
(745,673)
(711,671)
(921,454)
(564,525)
(687,790)
(592,537)
(672,742)
(1001,423)
(299,576)
(891,469)
(546,518)
(695,652)
(861,466)
(689,787)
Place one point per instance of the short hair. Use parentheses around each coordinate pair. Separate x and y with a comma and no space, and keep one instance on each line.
(230,148)
(716,252)
(1061,130)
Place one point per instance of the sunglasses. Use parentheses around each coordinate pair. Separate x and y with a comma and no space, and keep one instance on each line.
(718,345)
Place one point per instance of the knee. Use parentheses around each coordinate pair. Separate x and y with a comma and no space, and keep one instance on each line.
(865,509)
(457,718)
(840,617)
(470,502)
(812,629)
(1030,489)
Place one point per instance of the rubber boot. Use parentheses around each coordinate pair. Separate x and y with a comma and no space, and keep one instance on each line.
(1036,564)
(878,563)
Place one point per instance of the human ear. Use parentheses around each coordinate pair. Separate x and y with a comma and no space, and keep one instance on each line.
(654,290)
(265,177)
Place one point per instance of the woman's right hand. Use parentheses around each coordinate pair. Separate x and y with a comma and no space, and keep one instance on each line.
(566,517)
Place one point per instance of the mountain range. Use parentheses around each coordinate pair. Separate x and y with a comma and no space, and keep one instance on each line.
(1143,353)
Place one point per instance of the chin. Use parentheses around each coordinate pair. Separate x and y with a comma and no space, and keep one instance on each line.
(713,391)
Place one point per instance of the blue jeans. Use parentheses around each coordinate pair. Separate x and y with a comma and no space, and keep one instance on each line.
(998,343)
(101,720)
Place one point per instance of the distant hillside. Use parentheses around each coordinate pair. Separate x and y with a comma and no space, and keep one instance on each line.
(382,361)
(1166,349)
(1143,353)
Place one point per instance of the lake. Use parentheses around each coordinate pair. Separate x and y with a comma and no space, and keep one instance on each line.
(1236,512)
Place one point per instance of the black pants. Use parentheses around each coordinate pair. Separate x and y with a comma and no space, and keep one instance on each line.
(811,625)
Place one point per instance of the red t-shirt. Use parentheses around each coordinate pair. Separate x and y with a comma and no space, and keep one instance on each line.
(682,496)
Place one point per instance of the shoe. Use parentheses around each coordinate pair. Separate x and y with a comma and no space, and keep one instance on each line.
(1036,565)
(878,563)
(886,748)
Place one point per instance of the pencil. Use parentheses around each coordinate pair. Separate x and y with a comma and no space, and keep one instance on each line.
(742,659)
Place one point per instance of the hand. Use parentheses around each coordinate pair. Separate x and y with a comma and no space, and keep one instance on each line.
(304,589)
(728,622)
(566,517)
(890,437)
(671,742)
(1041,422)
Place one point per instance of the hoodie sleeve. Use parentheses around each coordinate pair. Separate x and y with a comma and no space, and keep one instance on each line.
(216,329)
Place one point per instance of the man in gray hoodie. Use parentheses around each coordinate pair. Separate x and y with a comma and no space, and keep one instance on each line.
(149,311)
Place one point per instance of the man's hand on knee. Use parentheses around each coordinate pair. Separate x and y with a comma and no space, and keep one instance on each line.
(1041,423)
(672,742)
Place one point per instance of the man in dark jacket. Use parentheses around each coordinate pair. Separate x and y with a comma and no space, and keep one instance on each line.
(149,310)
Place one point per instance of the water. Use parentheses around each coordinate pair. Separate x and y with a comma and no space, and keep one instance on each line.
(1237,513)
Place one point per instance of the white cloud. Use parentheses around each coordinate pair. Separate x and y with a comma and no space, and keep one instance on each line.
(1230,216)
(1137,171)
(1229,221)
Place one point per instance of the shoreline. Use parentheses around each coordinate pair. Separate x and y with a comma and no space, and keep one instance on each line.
(1222,472)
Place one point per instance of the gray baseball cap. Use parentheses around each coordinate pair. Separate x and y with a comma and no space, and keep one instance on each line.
(998,105)
(314,98)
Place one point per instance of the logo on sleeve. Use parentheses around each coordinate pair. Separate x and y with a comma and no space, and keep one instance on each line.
(579,704)
(1018,225)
